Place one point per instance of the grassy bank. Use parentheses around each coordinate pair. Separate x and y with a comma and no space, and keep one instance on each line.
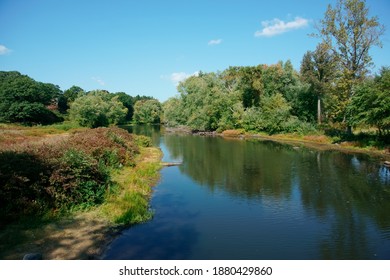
(90,181)
(128,203)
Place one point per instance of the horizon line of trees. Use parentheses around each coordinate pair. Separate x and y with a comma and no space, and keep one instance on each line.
(26,101)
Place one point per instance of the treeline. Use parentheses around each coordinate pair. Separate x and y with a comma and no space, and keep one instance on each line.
(333,88)
(276,98)
(26,101)
(261,98)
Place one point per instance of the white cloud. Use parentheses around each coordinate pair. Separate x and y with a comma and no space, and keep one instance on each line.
(277,26)
(181,76)
(214,42)
(178,77)
(4,50)
(99,81)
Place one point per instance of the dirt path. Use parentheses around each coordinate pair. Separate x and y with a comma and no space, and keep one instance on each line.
(82,236)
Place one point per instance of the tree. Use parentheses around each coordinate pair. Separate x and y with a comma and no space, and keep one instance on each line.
(371,103)
(172,112)
(350,33)
(68,97)
(97,108)
(147,111)
(73,92)
(128,102)
(319,68)
(25,100)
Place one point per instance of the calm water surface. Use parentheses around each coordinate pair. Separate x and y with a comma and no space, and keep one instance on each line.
(237,199)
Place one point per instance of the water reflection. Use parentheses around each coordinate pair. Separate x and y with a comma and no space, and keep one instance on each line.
(243,199)
(350,192)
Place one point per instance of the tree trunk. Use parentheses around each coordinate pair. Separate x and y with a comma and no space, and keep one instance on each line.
(319,110)
(349,130)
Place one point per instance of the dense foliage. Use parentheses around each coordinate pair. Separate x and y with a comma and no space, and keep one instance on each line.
(71,173)
(23,100)
(147,111)
(370,104)
(260,98)
(97,108)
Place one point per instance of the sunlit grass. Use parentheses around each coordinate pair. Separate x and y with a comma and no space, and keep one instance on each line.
(128,202)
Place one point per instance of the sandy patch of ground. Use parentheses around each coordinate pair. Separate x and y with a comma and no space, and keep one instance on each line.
(82,236)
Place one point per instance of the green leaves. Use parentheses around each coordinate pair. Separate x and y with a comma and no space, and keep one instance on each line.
(371,102)
(97,108)
(24,100)
(147,111)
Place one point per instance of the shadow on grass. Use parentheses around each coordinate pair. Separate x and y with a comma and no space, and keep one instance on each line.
(361,139)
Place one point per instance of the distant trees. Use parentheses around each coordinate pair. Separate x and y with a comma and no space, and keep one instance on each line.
(68,97)
(24,100)
(97,108)
(147,111)
(260,98)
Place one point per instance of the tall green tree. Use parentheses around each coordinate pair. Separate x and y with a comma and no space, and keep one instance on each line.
(24,100)
(350,33)
(128,102)
(319,68)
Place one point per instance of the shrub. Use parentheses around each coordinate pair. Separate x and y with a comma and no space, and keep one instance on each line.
(23,178)
(142,141)
(113,146)
(69,174)
(78,179)
(293,124)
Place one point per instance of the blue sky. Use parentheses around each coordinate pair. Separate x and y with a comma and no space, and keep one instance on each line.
(146,47)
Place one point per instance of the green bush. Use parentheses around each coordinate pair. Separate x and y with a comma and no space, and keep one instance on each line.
(142,141)
(23,178)
(78,180)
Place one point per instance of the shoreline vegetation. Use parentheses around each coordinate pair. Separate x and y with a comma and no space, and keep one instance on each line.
(77,224)
(317,141)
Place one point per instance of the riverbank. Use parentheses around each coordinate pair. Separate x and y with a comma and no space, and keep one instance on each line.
(321,142)
(83,234)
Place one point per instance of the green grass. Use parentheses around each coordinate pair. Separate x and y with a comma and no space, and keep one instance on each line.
(128,202)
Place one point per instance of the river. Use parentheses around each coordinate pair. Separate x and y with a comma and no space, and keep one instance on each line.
(253,199)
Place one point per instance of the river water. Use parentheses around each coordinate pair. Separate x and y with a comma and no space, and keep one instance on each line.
(252,199)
